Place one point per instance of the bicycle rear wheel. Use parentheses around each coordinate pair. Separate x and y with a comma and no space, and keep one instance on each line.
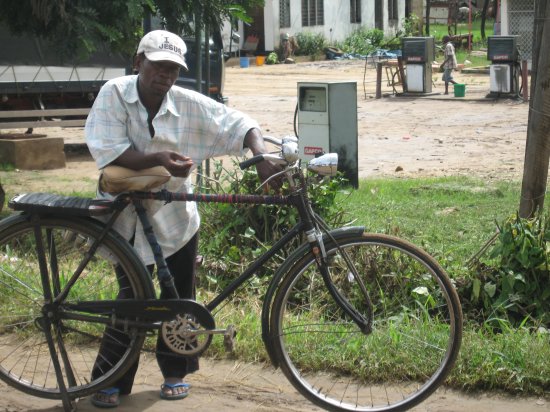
(28,318)
(416,326)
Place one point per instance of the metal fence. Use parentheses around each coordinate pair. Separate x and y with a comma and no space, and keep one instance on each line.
(521,20)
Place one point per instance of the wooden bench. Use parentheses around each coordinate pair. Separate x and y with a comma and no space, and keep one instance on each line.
(12,119)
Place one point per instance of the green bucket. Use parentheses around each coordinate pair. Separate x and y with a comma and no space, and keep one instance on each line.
(460,90)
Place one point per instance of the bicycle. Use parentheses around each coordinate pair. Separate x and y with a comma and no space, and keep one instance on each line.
(342,310)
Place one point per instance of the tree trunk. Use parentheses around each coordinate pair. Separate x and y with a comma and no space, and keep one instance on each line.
(2,197)
(537,148)
(428,7)
(484,17)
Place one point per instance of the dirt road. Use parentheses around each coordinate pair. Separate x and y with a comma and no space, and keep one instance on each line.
(398,136)
(226,386)
(430,135)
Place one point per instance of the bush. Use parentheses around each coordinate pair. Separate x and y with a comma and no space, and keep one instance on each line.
(272,58)
(516,284)
(363,41)
(232,236)
(310,44)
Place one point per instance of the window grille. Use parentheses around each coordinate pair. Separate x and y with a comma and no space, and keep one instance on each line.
(355,11)
(312,13)
(284,13)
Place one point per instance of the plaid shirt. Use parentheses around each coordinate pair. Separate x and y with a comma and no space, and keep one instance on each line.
(187,122)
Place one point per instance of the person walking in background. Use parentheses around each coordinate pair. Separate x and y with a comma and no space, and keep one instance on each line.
(449,64)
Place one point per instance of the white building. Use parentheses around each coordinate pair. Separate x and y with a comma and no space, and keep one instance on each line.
(335,19)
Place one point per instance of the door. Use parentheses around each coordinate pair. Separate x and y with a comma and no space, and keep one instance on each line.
(256,28)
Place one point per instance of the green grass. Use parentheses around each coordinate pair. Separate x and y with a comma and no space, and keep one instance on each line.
(477,57)
(450,217)
(514,362)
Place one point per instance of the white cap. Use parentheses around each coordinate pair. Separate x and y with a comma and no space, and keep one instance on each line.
(161,45)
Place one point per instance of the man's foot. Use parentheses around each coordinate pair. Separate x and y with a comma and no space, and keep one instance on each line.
(106,398)
(173,389)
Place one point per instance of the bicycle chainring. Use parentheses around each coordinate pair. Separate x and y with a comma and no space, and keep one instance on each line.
(187,334)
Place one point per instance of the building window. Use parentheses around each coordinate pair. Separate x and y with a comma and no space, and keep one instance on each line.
(312,13)
(392,10)
(284,13)
(355,11)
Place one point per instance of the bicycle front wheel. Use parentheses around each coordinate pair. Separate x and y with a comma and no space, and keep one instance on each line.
(59,247)
(416,326)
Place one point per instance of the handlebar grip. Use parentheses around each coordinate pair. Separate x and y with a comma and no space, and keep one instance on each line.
(252,161)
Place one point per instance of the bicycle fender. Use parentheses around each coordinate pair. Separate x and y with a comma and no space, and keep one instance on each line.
(301,251)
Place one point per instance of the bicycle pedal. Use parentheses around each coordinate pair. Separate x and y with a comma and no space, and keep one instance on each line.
(229,338)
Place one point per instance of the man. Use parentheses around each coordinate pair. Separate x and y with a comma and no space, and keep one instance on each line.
(449,64)
(144,120)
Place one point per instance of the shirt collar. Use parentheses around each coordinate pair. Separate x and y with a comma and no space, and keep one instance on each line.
(168,104)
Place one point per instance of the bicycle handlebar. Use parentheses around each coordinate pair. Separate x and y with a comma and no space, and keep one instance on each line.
(325,165)
(287,154)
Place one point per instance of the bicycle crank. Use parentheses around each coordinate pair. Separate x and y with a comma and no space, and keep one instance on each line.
(186,336)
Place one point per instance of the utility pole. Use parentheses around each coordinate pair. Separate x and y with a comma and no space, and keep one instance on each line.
(537,148)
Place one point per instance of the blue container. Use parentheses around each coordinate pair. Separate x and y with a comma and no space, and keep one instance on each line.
(245,62)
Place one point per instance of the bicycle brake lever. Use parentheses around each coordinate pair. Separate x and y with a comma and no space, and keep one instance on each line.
(266,181)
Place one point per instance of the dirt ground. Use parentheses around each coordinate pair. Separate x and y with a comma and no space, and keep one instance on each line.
(427,135)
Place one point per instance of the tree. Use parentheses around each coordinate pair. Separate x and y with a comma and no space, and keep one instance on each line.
(484,17)
(537,148)
(213,12)
(79,27)
(2,197)
(428,8)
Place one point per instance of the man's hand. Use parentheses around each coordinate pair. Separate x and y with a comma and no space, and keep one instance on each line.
(266,169)
(177,164)
(255,142)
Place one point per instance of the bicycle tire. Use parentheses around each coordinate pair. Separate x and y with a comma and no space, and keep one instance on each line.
(416,326)
(25,359)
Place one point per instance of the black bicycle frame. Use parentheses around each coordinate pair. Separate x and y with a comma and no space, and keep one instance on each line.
(142,309)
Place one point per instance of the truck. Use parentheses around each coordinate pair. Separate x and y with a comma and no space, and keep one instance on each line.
(38,86)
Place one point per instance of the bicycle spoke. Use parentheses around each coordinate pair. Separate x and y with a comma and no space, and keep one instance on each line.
(415,334)
(38,355)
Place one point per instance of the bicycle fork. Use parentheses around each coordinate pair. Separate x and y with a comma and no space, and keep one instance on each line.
(315,239)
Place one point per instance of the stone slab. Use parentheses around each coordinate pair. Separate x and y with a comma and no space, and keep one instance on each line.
(33,153)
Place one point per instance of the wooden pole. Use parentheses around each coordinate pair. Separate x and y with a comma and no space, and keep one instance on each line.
(525,80)
(470,25)
(402,73)
(537,148)
(379,80)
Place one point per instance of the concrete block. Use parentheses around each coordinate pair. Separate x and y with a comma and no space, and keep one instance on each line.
(33,153)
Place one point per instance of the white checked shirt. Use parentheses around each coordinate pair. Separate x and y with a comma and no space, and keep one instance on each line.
(187,122)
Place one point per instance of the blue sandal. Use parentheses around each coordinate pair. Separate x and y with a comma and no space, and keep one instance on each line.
(173,397)
(108,392)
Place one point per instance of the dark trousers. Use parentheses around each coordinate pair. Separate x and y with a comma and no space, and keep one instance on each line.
(115,341)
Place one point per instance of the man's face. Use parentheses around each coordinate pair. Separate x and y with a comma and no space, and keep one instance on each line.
(156,77)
